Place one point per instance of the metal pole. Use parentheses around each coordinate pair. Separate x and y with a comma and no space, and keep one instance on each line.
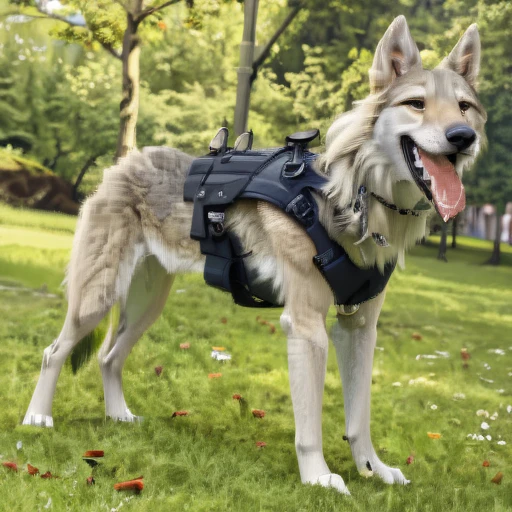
(243,91)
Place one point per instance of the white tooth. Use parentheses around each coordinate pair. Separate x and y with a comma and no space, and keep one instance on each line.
(417,160)
(426,175)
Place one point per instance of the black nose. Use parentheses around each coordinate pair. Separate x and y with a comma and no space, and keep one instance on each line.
(461,136)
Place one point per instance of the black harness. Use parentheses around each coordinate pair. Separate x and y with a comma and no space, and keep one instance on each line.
(285,178)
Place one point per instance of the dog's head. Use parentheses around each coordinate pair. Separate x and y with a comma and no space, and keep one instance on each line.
(431,123)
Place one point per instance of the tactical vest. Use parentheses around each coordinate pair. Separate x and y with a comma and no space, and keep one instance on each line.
(284,177)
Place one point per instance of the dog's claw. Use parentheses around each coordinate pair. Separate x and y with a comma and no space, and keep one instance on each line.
(128,418)
(38,420)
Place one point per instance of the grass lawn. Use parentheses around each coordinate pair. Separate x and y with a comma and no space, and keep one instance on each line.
(208,460)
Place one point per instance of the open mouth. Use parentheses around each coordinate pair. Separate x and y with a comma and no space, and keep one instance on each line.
(436,177)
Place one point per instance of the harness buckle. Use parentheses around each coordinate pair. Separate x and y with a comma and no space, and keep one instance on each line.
(303,210)
(216,226)
(321,260)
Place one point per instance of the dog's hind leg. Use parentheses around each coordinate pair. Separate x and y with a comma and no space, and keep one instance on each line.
(145,300)
(39,412)
(355,337)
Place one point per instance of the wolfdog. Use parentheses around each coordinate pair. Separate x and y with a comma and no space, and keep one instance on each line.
(408,143)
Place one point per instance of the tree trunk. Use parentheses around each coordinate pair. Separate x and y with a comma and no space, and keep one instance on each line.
(496,254)
(454,232)
(129,106)
(90,161)
(441,255)
(248,70)
(243,91)
(265,52)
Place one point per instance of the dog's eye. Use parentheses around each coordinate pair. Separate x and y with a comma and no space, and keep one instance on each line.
(464,106)
(415,104)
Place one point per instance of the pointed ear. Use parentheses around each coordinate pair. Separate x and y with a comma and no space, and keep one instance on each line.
(396,55)
(464,59)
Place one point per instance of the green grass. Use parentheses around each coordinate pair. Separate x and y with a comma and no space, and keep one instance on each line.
(10,161)
(208,460)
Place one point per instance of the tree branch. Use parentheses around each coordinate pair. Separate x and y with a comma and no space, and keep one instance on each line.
(262,57)
(107,46)
(58,17)
(151,10)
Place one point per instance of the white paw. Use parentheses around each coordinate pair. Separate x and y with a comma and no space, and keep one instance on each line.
(127,417)
(38,420)
(388,475)
(334,481)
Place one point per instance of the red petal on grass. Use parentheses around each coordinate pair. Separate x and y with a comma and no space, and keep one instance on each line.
(272,328)
(410,459)
(159,370)
(94,453)
(465,354)
(214,375)
(498,477)
(236,396)
(32,470)
(90,480)
(434,435)
(224,320)
(10,465)
(416,336)
(261,444)
(486,464)
(258,413)
(184,346)
(179,413)
(48,475)
(131,485)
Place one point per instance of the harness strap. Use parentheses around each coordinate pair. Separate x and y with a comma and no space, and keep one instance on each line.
(350,284)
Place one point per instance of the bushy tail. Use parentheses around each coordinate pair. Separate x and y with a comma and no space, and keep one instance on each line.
(90,344)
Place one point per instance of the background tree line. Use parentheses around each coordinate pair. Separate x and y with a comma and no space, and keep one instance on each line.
(61,81)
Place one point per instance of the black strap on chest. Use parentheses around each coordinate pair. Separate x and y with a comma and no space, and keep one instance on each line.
(285,178)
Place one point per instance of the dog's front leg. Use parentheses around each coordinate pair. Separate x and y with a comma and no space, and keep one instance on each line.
(307,359)
(355,337)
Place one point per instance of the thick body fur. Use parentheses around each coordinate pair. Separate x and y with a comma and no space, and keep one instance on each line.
(135,230)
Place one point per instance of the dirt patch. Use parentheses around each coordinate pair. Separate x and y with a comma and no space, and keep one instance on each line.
(43,191)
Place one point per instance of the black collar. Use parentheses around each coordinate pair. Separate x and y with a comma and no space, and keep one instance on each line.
(394,207)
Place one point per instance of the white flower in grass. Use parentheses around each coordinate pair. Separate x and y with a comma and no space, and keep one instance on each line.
(481,412)
(484,425)
(488,437)
(397,384)
(494,416)
(433,407)
(501,442)
(509,408)
(481,438)
(459,396)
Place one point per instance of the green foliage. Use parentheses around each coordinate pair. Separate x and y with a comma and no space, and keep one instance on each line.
(65,100)
(11,160)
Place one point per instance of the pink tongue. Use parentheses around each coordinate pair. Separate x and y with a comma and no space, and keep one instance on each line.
(447,189)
